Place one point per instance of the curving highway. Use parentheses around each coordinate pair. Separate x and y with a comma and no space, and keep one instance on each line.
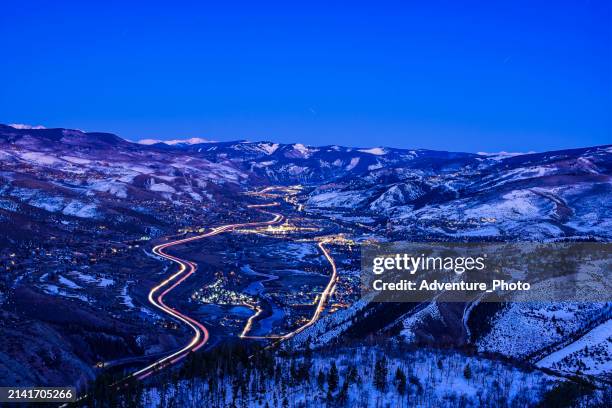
(186,269)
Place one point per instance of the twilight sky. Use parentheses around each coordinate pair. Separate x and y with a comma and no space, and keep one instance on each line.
(464,75)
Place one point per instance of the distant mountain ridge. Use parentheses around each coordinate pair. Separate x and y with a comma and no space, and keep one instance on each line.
(85,195)
(553,194)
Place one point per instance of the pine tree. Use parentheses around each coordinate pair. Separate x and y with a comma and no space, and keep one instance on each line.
(278,373)
(295,374)
(416,382)
(329,396)
(332,378)
(353,375)
(400,381)
(467,372)
(321,379)
(305,371)
(380,374)
(343,394)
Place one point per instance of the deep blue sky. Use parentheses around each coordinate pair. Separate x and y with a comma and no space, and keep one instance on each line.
(457,75)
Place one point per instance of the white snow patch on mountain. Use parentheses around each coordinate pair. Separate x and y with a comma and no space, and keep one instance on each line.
(593,350)
(502,155)
(348,199)
(80,209)
(115,188)
(295,170)
(98,280)
(269,148)
(23,126)
(259,165)
(412,322)
(8,205)
(522,173)
(297,251)
(304,151)
(376,166)
(377,151)
(105,282)
(149,141)
(40,158)
(300,148)
(525,328)
(354,162)
(517,204)
(68,283)
(396,196)
(51,204)
(126,299)
(56,291)
(162,187)
(190,141)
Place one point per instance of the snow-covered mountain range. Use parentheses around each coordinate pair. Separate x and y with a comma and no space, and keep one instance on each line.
(92,189)
(406,192)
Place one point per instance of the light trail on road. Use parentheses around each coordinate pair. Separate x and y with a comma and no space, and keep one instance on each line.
(327,292)
(325,295)
(186,269)
(201,335)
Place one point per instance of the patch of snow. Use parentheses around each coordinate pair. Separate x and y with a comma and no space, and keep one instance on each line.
(269,148)
(376,166)
(24,126)
(105,282)
(522,329)
(295,170)
(304,151)
(40,158)
(593,350)
(99,281)
(68,283)
(190,141)
(354,162)
(259,165)
(517,204)
(116,188)
(51,204)
(56,291)
(347,199)
(81,210)
(8,205)
(126,298)
(502,155)
(149,141)
(162,187)
(377,151)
